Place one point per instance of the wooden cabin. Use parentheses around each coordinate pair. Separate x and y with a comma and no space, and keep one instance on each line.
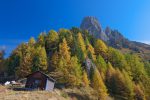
(39,80)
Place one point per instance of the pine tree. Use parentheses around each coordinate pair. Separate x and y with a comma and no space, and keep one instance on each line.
(99,85)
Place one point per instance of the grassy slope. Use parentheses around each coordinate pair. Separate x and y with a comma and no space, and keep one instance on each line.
(65,94)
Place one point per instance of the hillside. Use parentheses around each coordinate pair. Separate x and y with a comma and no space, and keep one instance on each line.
(65,94)
(114,38)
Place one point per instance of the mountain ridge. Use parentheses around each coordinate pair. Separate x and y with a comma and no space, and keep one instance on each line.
(114,38)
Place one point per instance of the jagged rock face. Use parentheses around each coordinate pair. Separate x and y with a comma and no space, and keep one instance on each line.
(117,40)
(92,25)
(108,31)
(112,38)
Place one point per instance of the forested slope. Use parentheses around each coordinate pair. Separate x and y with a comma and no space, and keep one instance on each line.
(76,59)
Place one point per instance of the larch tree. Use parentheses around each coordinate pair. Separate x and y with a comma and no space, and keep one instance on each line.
(139,93)
(63,62)
(119,84)
(67,34)
(31,42)
(147,67)
(54,61)
(117,59)
(101,48)
(101,64)
(81,44)
(64,52)
(99,85)
(41,40)
(52,36)
(40,60)
(69,68)
(109,74)
(25,65)
(91,52)
(85,79)
(75,74)
(129,85)
(14,60)
(52,39)
(136,67)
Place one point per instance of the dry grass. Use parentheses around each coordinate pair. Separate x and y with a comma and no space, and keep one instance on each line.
(81,94)
(65,94)
(6,94)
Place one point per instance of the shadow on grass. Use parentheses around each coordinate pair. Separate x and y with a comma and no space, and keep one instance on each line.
(78,96)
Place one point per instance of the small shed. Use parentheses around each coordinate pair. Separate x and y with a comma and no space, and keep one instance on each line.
(39,80)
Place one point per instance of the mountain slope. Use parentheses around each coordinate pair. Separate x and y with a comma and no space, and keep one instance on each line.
(114,38)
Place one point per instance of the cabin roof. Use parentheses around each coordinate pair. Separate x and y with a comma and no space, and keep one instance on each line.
(49,78)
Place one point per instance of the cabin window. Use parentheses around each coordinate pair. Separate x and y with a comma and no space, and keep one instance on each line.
(37,83)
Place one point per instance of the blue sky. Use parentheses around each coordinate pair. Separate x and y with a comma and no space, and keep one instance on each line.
(21,19)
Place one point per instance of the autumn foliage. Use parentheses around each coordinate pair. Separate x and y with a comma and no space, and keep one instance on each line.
(64,54)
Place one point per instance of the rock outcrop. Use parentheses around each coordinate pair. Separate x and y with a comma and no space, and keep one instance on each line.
(92,25)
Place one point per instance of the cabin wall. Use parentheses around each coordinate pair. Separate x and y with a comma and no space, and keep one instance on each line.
(49,85)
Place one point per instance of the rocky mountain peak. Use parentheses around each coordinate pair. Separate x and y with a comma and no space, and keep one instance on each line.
(91,23)
(93,26)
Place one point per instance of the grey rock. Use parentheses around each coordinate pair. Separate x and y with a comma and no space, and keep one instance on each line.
(92,25)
